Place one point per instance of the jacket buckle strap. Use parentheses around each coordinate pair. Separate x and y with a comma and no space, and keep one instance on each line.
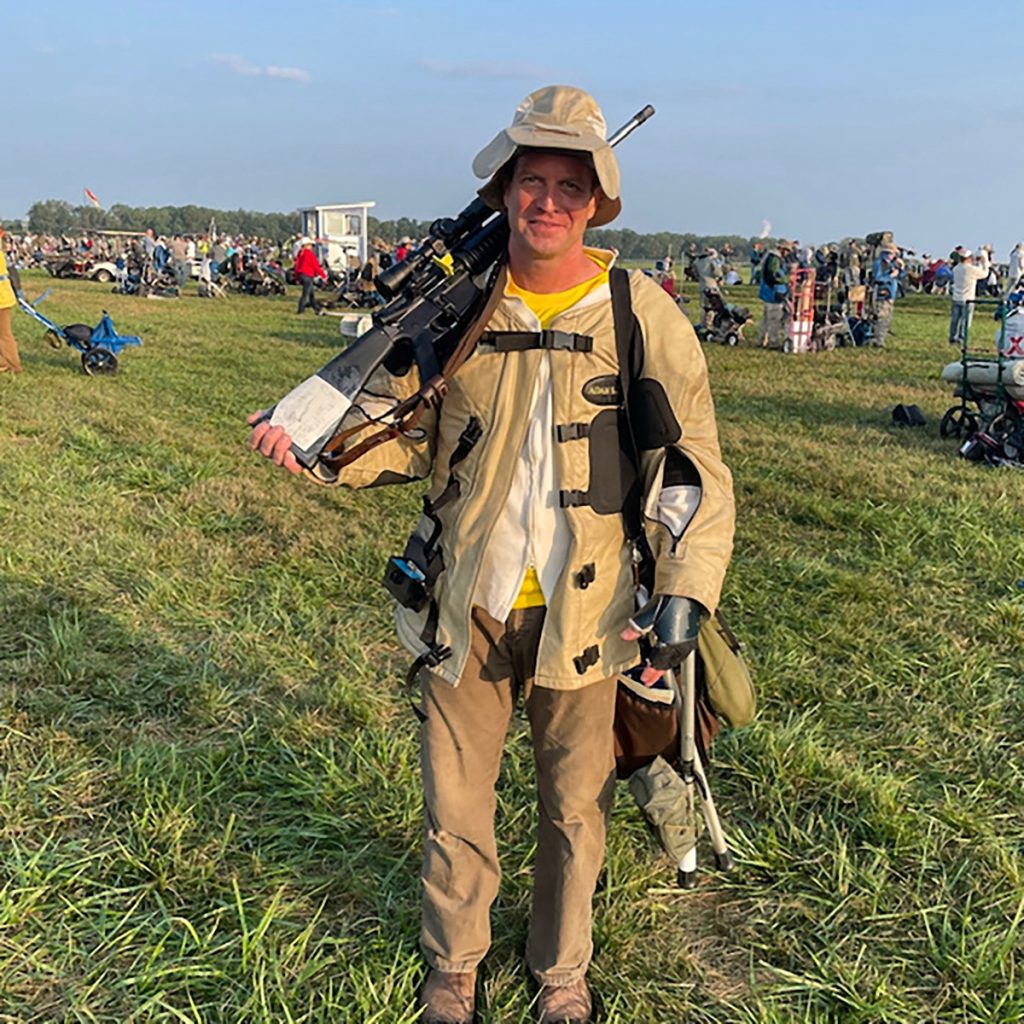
(586,659)
(471,433)
(565,341)
(431,658)
(572,431)
(586,576)
(551,340)
(572,499)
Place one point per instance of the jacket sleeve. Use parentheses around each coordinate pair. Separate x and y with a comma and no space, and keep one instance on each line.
(689,511)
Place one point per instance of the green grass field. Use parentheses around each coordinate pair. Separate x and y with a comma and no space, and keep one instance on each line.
(209,800)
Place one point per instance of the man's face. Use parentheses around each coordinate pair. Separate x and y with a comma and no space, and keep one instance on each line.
(550,200)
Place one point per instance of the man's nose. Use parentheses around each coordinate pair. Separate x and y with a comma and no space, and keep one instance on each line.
(546,197)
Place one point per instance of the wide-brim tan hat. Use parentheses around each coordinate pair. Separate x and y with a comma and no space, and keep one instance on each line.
(555,117)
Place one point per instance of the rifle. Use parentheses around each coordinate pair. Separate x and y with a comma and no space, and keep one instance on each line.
(432,299)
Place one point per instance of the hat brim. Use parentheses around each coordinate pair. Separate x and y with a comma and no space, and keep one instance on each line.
(509,141)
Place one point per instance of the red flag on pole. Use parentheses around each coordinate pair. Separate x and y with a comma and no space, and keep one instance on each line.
(91,196)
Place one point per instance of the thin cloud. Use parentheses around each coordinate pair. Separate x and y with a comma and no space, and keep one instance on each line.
(477,69)
(240,66)
(289,74)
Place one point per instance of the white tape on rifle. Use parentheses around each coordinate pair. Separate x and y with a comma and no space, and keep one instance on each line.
(305,410)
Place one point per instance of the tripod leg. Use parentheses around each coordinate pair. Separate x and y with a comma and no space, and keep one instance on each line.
(723,856)
(693,773)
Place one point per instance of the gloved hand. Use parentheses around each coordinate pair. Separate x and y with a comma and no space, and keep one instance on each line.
(674,623)
(19,295)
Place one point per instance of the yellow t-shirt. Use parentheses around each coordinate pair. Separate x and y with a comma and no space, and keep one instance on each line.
(7,298)
(546,306)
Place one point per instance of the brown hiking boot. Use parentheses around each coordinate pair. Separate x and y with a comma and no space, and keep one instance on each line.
(565,1004)
(448,998)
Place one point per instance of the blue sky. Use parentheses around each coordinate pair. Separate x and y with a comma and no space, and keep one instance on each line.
(825,119)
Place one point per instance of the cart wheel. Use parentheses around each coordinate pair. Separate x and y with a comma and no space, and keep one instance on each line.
(99,362)
(958,422)
(55,340)
(732,339)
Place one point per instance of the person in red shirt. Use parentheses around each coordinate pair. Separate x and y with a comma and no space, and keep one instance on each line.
(307,267)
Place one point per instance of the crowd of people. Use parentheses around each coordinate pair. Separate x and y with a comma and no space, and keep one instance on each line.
(866,275)
(862,277)
(155,264)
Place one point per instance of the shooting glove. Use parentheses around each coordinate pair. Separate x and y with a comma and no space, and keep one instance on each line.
(673,623)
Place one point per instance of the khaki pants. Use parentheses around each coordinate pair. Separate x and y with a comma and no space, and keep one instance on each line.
(462,741)
(883,319)
(8,346)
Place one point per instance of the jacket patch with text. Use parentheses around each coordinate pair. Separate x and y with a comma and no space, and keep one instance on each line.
(606,390)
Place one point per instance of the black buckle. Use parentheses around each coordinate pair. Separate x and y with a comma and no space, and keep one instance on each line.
(566,342)
(572,431)
(586,576)
(436,653)
(586,659)
(572,499)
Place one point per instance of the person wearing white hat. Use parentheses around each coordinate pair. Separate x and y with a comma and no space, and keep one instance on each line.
(708,268)
(966,275)
(1016,268)
(307,270)
(885,277)
(525,534)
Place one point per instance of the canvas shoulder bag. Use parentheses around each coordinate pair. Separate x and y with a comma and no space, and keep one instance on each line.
(646,722)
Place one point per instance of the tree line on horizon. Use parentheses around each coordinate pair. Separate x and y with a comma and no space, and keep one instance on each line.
(58,217)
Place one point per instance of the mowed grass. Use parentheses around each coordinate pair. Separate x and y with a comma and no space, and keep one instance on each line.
(209,806)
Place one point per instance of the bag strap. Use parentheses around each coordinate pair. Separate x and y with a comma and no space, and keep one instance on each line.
(627,353)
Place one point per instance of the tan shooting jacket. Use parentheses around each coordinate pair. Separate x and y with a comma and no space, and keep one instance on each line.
(580,643)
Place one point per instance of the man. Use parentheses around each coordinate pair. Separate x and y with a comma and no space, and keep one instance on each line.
(708,268)
(756,255)
(966,275)
(691,256)
(536,587)
(774,293)
(218,254)
(10,290)
(850,261)
(885,279)
(179,261)
(307,268)
(1016,268)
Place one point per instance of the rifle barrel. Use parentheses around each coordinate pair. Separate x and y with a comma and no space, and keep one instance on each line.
(631,125)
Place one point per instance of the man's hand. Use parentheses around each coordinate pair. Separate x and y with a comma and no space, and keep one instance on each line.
(675,623)
(272,442)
